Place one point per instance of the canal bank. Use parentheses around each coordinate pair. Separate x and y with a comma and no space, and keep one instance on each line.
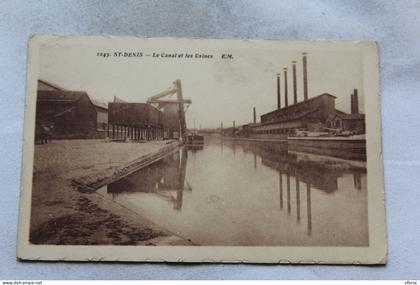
(62,215)
(349,148)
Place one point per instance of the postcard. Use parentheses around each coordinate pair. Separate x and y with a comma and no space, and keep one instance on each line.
(202,150)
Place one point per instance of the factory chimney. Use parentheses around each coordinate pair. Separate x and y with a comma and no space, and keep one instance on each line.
(255,116)
(355,102)
(305,77)
(278,91)
(294,83)
(286,103)
(351,103)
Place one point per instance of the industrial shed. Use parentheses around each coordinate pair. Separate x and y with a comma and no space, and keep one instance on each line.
(348,122)
(139,121)
(72,114)
(101,115)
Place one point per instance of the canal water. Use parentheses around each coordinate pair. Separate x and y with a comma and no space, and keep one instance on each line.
(241,193)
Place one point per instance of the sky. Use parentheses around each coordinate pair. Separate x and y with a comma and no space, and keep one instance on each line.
(220,89)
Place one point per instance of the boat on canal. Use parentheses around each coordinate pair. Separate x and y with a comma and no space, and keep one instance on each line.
(194,140)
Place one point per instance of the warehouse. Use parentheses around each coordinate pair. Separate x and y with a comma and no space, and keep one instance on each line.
(316,115)
(101,116)
(136,121)
(310,115)
(69,114)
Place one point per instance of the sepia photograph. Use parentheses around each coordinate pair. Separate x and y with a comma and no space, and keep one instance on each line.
(202,150)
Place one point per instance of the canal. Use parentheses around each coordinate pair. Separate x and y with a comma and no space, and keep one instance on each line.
(247,193)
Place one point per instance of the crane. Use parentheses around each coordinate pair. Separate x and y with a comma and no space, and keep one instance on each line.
(161,99)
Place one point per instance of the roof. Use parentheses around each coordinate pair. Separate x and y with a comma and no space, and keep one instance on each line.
(118,100)
(350,116)
(339,112)
(301,103)
(290,118)
(53,86)
(70,96)
(67,96)
(99,104)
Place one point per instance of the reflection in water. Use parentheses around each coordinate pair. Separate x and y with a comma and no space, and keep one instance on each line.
(288,193)
(255,160)
(165,179)
(357,178)
(308,207)
(235,197)
(281,190)
(297,200)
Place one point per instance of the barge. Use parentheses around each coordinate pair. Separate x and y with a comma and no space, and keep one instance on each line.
(194,140)
(353,147)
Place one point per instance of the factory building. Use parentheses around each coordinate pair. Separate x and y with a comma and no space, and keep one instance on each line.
(353,122)
(309,114)
(348,122)
(317,114)
(69,114)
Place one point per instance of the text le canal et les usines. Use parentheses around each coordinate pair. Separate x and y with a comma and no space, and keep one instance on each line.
(162,55)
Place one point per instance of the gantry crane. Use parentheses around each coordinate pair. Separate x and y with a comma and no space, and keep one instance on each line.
(161,99)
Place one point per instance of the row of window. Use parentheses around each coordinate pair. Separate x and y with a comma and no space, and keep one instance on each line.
(279,117)
(276,131)
(290,113)
(335,124)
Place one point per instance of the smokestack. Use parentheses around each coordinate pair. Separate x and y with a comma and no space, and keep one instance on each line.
(355,102)
(286,103)
(294,83)
(351,103)
(305,77)
(221,126)
(278,91)
(255,116)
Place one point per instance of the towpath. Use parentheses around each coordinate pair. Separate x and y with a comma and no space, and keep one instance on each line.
(62,215)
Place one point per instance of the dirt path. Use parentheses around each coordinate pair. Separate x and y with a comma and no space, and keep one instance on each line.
(62,215)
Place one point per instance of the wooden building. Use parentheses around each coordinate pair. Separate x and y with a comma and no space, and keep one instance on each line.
(71,114)
(137,121)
